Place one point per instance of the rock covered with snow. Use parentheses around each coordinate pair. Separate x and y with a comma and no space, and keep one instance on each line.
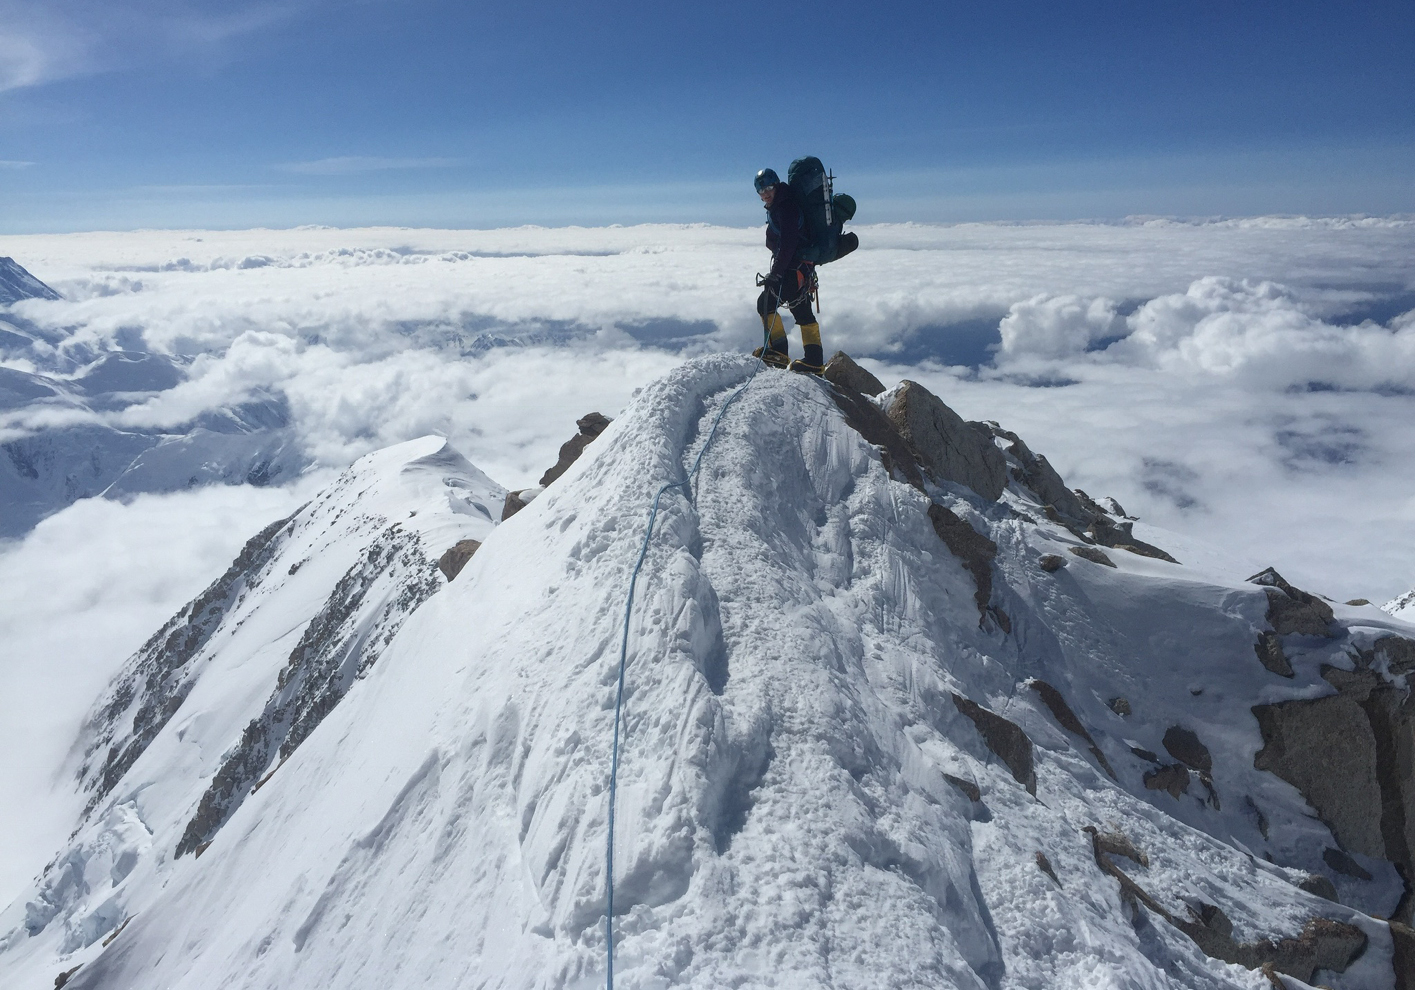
(1402,607)
(833,774)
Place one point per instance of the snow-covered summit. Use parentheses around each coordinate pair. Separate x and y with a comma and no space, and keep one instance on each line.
(900,711)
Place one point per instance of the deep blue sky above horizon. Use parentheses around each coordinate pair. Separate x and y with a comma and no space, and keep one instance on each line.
(164,113)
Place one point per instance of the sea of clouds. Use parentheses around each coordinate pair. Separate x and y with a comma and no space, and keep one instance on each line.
(1245,383)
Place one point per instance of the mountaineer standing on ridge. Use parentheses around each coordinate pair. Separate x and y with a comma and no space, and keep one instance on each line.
(802,230)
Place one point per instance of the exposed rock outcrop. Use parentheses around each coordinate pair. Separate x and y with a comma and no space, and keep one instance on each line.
(950,449)
(591,426)
(1173,778)
(1403,942)
(456,557)
(1291,610)
(1352,755)
(974,549)
(1116,844)
(1114,530)
(1035,473)
(1067,719)
(1322,943)
(1073,508)
(867,419)
(1184,745)
(156,681)
(1315,883)
(1271,655)
(1093,554)
(842,372)
(1045,866)
(1051,562)
(1005,739)
(518,500)
(903,459)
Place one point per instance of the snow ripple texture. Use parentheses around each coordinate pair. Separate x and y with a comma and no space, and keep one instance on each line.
(802,802)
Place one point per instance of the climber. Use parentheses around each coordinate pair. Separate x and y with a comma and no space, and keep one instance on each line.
(791,281)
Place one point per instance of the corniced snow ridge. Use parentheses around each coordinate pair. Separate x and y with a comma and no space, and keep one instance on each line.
(901,710)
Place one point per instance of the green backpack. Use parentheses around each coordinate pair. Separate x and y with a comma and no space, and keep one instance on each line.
(824,210)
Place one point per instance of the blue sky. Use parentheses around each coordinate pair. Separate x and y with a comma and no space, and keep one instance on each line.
(425,112)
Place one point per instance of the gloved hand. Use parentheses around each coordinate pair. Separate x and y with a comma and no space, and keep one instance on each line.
(772,284)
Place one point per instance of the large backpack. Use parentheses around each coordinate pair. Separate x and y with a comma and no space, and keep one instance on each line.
(825,212)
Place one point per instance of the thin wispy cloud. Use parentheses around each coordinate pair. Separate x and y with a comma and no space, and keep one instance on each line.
(43,42)
(14,164)
(353,164)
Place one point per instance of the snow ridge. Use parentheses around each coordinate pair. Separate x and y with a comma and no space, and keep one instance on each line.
(841,767)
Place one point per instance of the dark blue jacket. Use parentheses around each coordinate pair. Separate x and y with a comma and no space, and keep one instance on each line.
(785,230)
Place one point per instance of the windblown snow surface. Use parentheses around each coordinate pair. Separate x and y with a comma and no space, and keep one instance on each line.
(803,801)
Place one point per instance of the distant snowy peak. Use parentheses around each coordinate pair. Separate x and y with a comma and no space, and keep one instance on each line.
(249,442)
(237,680)
(1402,607)
(385,521)
(17,284)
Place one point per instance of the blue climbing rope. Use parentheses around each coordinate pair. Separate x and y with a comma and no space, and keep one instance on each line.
(624,656)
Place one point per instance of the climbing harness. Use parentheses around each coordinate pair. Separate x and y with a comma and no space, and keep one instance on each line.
(685,484)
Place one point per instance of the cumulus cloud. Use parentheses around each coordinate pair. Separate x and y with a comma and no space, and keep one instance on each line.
(1259,333)
(1202,373)
(351,164)
(1055,326)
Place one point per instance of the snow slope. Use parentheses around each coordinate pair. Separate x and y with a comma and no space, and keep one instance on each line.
(238,678)
(845,762)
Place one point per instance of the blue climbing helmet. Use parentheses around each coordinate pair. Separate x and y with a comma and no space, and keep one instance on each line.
(766,177)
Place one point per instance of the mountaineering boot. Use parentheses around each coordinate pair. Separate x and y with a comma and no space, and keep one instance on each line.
(773,357)
(813,360)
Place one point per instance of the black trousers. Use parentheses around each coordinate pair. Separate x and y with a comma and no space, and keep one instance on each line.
(796,298)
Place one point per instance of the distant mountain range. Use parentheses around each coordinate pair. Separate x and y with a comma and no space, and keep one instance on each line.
(68,447)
